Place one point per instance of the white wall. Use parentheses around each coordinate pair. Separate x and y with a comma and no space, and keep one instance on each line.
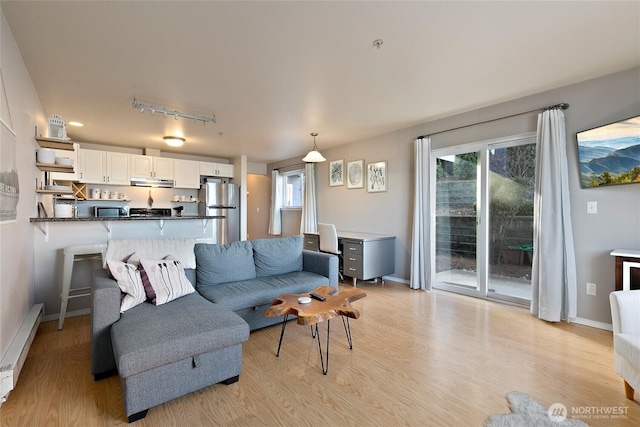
(16,244)
(592,103)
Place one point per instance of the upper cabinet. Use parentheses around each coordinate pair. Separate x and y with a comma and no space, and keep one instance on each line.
(224,170)
(118,168)
(92,166)
(115,168)
(104,167)
(151,167)
(186,174)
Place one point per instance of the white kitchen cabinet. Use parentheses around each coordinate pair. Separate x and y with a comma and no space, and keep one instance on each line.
(104,167)
(186,174)
(118,169)
(224,170)
(151,167)
(92,166)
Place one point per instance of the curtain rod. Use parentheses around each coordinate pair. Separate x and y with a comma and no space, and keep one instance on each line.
(562,106)
(289,166)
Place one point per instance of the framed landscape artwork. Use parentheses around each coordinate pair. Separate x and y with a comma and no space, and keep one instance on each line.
(377,177)
(610,154)
(336,173)
(355,174)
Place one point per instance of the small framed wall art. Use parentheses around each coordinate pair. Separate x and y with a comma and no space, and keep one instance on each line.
(377,177)
(355,174)
(336,173)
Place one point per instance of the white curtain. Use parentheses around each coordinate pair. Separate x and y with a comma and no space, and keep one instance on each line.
(420,242)
(275,219)
(309,220)
(553,273)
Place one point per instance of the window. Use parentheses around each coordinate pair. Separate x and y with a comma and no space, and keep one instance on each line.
(293,189)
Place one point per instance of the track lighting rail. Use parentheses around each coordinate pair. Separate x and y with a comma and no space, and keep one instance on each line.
(175,113)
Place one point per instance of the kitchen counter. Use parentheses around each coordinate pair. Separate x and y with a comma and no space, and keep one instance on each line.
(127,218)
(52,235)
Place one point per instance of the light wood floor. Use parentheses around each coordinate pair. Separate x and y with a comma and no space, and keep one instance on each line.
(419,359)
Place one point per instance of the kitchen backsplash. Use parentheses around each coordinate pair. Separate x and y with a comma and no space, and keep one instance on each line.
(138,197)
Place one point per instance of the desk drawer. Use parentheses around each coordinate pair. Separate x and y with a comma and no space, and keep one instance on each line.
(351,247)
(352,265)
(311,242)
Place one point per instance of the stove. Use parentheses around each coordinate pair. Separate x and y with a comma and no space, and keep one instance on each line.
(149,212)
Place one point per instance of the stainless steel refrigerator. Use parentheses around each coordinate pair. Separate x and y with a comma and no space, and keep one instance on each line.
(218,198)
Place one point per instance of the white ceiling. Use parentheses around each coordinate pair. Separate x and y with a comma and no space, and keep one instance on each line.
(273,72)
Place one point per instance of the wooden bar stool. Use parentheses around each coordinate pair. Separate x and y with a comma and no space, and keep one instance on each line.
(72,254)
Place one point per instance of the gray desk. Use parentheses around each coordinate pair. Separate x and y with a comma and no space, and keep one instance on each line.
(366,256)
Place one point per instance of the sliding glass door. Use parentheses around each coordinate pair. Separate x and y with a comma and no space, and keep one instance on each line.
(510,240)
(483,212)
(456,209)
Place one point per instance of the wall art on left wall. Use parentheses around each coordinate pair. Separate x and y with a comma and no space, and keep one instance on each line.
(9,186)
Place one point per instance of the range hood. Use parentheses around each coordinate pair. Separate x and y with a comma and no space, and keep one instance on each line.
(152,182)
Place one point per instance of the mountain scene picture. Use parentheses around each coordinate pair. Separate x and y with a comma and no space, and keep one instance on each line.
(610,154)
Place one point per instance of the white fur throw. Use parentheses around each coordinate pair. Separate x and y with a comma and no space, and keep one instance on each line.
(181,249)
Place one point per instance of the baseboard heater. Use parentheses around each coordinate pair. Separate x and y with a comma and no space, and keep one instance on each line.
(13,360)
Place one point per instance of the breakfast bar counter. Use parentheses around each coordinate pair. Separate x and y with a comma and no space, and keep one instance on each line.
(108,222)
(127,218)
(51,236)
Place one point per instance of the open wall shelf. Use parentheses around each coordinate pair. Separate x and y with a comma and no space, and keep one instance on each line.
(56,144)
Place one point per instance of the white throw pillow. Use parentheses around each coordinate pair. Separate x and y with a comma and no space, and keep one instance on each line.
(133,259)
(164,280)
(129,282)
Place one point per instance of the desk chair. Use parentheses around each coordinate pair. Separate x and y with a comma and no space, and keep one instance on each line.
(329,243)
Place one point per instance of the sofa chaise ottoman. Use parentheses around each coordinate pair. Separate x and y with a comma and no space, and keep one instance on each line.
(182,346)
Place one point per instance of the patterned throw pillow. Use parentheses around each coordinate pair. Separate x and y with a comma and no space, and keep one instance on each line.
(129,282)
(164,280)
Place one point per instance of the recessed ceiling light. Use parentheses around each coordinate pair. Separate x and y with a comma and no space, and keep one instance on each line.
(78,124)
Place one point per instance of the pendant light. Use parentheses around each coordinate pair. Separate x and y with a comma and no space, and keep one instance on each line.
(314,155)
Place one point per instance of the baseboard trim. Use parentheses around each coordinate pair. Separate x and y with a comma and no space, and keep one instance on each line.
(16,355)
(578,320)
(594,324)
(75,313)
(396,279)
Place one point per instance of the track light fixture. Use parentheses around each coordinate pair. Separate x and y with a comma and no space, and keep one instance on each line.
(175,113)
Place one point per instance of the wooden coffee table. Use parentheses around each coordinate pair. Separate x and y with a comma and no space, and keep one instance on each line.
(335,304)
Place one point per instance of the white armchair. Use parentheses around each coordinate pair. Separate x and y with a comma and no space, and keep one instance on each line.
(625,314)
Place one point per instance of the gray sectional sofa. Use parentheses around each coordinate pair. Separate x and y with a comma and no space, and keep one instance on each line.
(165,351)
